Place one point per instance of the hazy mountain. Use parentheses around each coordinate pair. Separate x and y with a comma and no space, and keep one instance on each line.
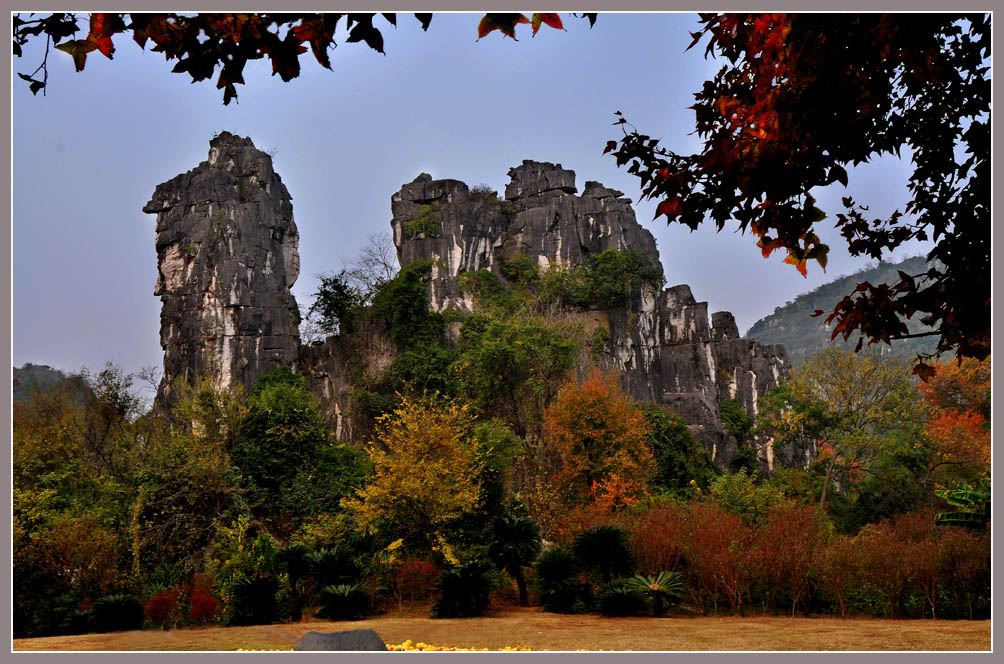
(802,335)
(39,377)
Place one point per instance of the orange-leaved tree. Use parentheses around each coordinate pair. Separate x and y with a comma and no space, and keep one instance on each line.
(958,425)
(602,440)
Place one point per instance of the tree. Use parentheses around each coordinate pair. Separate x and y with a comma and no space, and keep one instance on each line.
(425,472)
(852,405)
(602,438)
(515,544)
(680,459)
(202,42)
(605,550)
(802,97)
(958,426)
(336,304)
(283,453)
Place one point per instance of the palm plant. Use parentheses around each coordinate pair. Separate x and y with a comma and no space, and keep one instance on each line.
(332,566)
(343,601)
(465,589)
(664,589)
(558,582)
(515,544)
(620,598)
(973,504)
(604,549)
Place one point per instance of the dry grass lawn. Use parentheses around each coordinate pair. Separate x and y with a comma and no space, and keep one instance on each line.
(548,631)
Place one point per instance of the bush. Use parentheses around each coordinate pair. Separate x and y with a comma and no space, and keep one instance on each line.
(465,589)
(656,537)
(664,589)
(343,602)
(117,613)
(558,583)
(681,460)
(332,566)
(253,601)
(412,580)
(202,605)
(620,598)
(426,223)
(165,607)
(605,550)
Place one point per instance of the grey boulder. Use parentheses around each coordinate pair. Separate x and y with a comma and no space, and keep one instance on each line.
(356,639)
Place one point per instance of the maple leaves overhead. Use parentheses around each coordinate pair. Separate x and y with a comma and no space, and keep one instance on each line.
(800,98)
(201,43)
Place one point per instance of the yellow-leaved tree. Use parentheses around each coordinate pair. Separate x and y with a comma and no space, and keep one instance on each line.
(425,473)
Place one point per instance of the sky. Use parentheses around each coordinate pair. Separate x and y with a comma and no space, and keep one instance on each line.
(88,155)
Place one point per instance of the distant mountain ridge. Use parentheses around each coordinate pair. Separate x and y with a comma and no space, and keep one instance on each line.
(31,377)
(803,335)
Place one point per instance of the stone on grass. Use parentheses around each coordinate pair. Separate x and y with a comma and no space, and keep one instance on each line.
(356,639)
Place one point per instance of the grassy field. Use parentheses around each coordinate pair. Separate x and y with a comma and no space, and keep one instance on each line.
(548,631)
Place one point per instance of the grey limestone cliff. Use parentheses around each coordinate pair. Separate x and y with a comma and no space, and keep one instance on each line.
(660,343)
(227,257)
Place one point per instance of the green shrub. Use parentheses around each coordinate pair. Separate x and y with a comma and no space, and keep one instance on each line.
(333,566)
(465,589)
(679,457)
(735,420)
(117,613)
(426,223)
(404,305)
(558,583)
(620,598)
(604,549)
(664,589)
(606,280)
(520,270)
(482,284)
(343,601)
(253,601)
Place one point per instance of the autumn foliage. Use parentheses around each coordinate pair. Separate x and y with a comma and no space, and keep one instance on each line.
(602,440)
(799,100)
(959,426)
(425,471)
(203,42)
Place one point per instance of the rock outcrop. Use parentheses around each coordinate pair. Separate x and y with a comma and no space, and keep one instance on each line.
(227,257)
(660,342)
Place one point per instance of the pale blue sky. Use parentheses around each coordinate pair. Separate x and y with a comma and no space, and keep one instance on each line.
(88,155)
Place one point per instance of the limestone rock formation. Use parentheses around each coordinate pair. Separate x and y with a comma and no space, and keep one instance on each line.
(660,342)
(227,257)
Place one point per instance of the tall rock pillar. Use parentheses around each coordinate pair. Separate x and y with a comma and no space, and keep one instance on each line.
(226,259)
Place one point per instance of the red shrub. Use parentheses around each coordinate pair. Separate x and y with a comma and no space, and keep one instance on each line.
(789,545)
(412,580)
(202,604)
(655,537)
(717,553)
(164,608)
(840,565)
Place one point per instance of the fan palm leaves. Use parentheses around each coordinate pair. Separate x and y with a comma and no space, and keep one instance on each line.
(664,589)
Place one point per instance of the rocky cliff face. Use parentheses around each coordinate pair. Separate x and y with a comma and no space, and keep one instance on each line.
(227,257)
(660,342)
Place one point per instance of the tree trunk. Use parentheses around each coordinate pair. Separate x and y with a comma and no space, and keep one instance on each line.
(826,482)
(524,599)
